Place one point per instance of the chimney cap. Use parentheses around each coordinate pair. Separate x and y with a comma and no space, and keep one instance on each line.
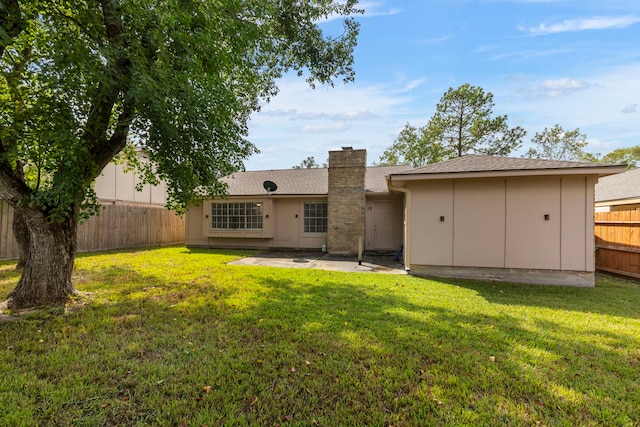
(347,148)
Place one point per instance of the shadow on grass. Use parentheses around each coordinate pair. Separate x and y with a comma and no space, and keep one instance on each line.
(233,252)
(258,347)
(611,296)
(470,360)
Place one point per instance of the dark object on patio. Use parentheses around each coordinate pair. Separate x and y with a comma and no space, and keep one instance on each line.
(398,257)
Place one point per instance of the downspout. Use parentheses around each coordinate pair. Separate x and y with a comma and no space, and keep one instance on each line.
(406,255)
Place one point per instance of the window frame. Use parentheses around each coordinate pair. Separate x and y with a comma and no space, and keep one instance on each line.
(310,224)
(236,216)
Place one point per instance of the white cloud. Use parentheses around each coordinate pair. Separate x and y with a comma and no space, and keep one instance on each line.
(370,8)
(596,23)
(560,87)
(631,108)
(300,121)
(325,128)
(593,107)
(529,54)
(410,86)
(375,8)
(497,52)
(527,1)
(342,117)
(434,41)
(279,112)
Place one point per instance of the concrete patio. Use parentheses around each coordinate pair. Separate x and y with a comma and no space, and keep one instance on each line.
(371,263)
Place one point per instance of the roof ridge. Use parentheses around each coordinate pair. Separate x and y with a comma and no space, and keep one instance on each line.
(470,163)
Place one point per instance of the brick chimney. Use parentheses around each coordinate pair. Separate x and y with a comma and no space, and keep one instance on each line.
(346,201)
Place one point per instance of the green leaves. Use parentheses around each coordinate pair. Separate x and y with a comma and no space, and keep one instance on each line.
(415,146)
(179,79)
(629,156)
(308,163)
(558,144)
(462,124)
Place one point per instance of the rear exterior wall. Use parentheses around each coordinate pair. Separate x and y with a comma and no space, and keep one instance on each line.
(283,226)
(537,223)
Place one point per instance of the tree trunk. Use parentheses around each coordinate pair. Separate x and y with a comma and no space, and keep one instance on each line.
(21,233)
(46,277)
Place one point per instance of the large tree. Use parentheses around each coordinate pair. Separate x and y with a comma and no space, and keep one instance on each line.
(463,123)
(559,144)
(629,156)
(81,79)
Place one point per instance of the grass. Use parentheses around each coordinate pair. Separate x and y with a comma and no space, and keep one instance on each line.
(176,337)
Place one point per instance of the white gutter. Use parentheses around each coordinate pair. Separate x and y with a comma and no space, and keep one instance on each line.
(406,251)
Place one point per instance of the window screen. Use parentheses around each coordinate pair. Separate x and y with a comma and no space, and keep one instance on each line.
(315,217)
(236,216)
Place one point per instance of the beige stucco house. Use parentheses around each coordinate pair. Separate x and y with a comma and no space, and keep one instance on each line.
(310,208)
(495,218)
(118,185)
(481,217)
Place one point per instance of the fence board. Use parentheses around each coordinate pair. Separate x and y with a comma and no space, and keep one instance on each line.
(116,227)
(4,229)
(617,237)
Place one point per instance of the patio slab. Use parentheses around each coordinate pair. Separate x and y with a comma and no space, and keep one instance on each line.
(371,263)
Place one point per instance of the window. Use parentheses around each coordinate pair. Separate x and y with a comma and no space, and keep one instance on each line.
(236,216)
(315,217)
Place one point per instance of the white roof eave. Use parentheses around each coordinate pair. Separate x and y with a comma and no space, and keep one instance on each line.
(592,171)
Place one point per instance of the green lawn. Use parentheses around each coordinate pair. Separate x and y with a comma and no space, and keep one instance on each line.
(176,337)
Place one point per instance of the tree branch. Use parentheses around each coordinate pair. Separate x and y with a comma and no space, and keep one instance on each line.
(107,94)
(82,28)
(10,21)
(112,22)
(11,141)
(103,103)
(12,189)
(14,75)
(118,140)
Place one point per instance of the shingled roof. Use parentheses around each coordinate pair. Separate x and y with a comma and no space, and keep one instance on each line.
(477,164)
(375,179)
(296,182)
(314,181)
(619,187)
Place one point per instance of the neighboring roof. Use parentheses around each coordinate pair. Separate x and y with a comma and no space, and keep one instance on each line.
(619,187)
(312,181)
(497,166)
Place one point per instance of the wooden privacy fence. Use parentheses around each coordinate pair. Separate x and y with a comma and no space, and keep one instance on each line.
(618,242)
(117,227)
(8,246)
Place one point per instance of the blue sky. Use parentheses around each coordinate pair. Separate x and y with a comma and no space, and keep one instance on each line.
(571,62)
